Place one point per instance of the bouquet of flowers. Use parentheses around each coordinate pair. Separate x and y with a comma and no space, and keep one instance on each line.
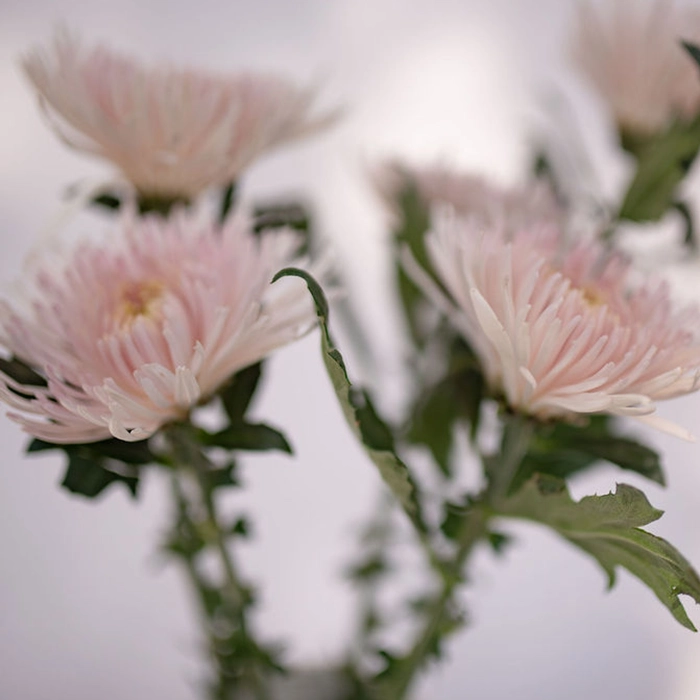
(535,343)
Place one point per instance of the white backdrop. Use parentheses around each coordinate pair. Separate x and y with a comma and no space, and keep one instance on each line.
(87,608)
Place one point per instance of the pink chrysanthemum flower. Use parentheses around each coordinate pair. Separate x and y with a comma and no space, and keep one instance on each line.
(133,334)
(470,195)
(634,58)
(564,331)
(172,132)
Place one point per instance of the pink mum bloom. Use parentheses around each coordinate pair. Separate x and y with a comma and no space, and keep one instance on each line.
(134,334)
(634,58)
(471,196)
(172,132)
(562,332)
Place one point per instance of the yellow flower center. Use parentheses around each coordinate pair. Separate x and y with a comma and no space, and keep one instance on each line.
(593,296)
(138,300)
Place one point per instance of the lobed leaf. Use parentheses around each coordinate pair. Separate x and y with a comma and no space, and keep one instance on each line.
(608,528)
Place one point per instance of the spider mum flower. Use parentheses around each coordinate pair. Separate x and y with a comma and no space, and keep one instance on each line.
(471,196)
(172,132)
(133,334)
(634,58)
(563,332)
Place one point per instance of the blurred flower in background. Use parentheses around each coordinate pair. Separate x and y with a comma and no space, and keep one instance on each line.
(632,54)
(471,195)
(172,132)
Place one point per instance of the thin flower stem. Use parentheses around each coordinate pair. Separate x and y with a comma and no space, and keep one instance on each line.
(501,469)
(196,507)
(517,434)
(399,682)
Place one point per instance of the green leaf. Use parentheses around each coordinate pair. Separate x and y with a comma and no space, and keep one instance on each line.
(561,450)
(21,372)
(278,214)
(359,411)
(432,423)
(228,197)
(107,201)
(254,437)
(127,452)
(457,397)
(93,466)
(241,528)
(374,567)
(413,226)
(693,50)
(686,214)
(226,476)
(662,163)
(608,528)
(89,478)
(238,393)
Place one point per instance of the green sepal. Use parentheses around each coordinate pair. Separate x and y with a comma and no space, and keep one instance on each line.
(359,412)
(561,450)
(608,528)
(662,164)
(253,437)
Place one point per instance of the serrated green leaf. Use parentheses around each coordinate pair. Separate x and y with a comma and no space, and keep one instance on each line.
(255,437)
(608,528)
(662,163)
(359,412)
(238,393)
(89,478)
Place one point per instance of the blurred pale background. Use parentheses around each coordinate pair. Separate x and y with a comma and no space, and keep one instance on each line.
(87,608)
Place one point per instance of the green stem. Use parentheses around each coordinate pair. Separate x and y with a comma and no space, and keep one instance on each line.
(397,685)
(502,468)
(196,508)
